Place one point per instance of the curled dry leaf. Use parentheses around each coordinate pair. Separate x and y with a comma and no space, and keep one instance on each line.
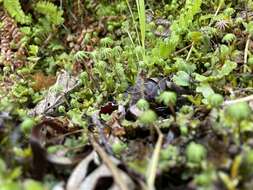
(79,173)
(114,122)
(82,179)
(40,135)
(56,95)
(92,181)
(110,164)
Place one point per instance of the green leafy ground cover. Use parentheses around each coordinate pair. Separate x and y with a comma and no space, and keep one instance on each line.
(128,94)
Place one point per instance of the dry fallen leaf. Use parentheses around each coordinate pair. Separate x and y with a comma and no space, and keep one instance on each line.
(42,81)
(105,174)
(56,95)
(84,179)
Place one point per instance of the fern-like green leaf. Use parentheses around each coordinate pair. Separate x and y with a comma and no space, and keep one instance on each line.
(229,38)
(51,11)
(13,7)
(180,26)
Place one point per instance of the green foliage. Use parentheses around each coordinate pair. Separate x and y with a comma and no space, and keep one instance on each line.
(14,8)
(229,38)
(52,13)
(107,41)
(215,100)
(142,20)
(9,179)
(32,185)
(190,47)
(76,116)
(195,153)
(239,111)
(142,104)
(118,147)
(182,78)
(27,125)
(205,89)
(147,117)
(167,98)
(180,26)
(225,70)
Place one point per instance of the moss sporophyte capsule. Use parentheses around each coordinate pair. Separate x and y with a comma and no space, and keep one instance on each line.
(239,111)
(147,117)
(195,153)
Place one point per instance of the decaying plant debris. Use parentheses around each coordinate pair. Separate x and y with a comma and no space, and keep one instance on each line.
(126,94)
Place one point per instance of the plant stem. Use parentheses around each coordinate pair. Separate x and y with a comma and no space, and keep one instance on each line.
(179,51)
(151,172)
(135,27)
(190,52)
(244,99)
(217,11)
(246,50)
(111,166)
(142,22)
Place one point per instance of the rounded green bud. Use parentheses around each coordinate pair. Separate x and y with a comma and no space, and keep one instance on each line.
(239,111)
(150,34)
(207,65)
(239,20)
(110,28)
(61,109)
(152,25)
(215,100)
(118,147)
(160,28)
(167,7)
(142,104)
(147,117)
(6,69)
(195,153)
(184,130)
(37,40)
(27,124)
(167,98)
(202,179)
(250,61)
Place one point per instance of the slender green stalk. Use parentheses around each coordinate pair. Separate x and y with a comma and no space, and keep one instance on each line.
(142,22)
(190,52)
(132,15)
(217,10)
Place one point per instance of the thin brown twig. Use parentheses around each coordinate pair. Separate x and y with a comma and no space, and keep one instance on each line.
(151,172)
(244,99)
(115,173)
(190,52)
(246,50)
(184,48)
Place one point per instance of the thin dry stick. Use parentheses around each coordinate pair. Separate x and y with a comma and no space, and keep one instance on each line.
(151,172)
(244,99)
(190,52)
(115,173)
(184,48)
(66,134)
(217,10)
(246,50)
